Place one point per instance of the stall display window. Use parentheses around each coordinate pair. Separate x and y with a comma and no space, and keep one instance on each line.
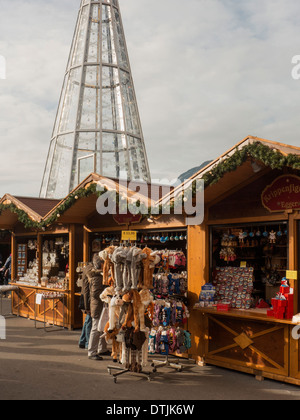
(173,240)
(55,262)
(257,253)
(27,262)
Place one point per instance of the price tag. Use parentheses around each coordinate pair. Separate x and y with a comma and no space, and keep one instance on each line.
(38,298)
(292,275)
(129,235)
(243,264)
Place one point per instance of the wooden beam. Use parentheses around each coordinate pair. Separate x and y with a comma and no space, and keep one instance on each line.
(72,270)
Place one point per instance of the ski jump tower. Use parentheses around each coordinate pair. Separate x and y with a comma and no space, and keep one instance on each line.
(97,127)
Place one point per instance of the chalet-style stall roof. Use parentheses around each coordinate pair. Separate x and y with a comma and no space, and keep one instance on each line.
(241,165)
(80,206)
(25,212)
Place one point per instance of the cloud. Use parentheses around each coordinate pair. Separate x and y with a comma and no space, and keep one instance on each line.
(207,73)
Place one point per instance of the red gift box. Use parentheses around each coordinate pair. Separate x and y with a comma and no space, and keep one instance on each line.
(284,290)
(270,312)
(223,307)
(275,303)
(282,303)
(279,313)
(289,314)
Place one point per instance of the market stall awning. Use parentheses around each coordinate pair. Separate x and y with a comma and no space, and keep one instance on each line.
(80,204)
(242,164)
(26,210)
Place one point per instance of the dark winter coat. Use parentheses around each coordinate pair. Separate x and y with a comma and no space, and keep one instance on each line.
(92,288)
(85,290)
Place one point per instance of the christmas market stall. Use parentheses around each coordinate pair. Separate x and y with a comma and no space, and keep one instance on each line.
(42,249)
(243,262)
(157,241)
(20,220)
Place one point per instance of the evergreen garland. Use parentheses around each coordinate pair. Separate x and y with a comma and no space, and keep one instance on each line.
(269,157)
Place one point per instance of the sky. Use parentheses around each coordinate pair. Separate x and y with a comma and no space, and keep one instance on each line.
(207,74)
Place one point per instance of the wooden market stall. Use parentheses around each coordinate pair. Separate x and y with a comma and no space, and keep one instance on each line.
(250,234)
(99,231)
(42,250)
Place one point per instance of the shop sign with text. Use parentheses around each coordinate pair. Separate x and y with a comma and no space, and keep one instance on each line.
(283,194)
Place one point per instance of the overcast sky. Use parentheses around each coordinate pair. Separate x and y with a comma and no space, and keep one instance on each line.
(207,73)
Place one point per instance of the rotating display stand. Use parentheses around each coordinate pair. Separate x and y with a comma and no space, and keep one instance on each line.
(156,364)
(122,371)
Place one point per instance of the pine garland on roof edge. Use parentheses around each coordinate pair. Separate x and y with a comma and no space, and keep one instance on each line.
(268,156)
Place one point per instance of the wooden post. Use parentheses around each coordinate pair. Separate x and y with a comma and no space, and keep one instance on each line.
(198,275)
(72,270)
(13,257)
(40,254)
(85,245)
(293,250)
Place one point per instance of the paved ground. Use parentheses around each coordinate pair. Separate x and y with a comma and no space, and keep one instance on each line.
(35,365)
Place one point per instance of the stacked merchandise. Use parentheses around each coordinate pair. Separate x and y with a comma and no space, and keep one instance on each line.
(283,303)
(169,312)
(138,300)
(207,296)
(234,287)
(31,276)
(167,341)
(128,273)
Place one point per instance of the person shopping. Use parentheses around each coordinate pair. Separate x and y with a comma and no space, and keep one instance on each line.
(85,306)
(97,346)
(6,271)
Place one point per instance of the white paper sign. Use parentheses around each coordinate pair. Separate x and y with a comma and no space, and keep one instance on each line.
(38,298)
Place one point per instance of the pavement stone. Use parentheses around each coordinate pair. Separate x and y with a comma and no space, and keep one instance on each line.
(38,365)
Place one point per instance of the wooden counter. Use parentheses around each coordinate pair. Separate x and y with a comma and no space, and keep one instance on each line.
(258,314)
(250,342)
(23,304)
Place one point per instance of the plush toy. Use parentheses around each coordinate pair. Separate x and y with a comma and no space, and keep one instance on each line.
(108,267)
(119,259)
(146,297)
(129,315)
(107,295)
(138,309)
(114,311)
(136,266)
(149,265)
(116,346)
(127,272)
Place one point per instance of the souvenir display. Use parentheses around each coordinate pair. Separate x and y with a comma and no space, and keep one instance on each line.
(30,276)
(170,340)
(283,303)
(263,249)
(207,296)
(146,294)
(55,256)
(234,285)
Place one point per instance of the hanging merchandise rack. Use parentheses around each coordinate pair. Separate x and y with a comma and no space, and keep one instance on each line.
(118,329)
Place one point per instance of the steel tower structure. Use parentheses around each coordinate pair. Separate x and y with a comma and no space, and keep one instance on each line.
(97,126)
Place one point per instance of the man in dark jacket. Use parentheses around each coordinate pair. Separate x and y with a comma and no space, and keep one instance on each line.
(6,272)
(86,309)
(97,345)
